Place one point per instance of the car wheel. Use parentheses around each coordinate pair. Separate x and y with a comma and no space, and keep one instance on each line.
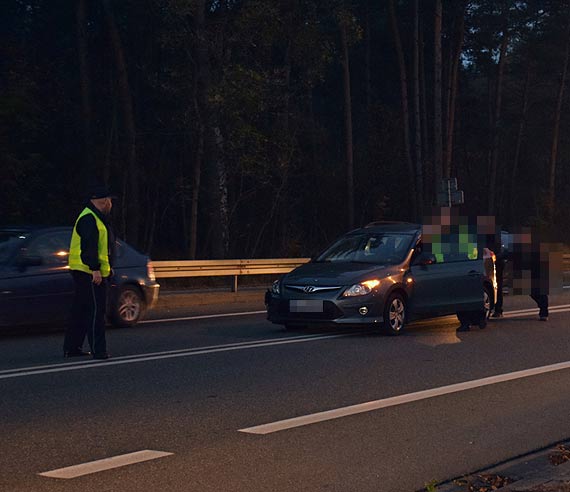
(395,314)
(128,307)
(488,303)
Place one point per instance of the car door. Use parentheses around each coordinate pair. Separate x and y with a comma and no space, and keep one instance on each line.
(467,283)
(39,281)
(431,295)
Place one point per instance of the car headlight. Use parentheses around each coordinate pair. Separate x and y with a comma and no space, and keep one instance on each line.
(275,289)
(361,289)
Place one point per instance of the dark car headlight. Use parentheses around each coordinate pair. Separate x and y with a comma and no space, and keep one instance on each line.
(361,289)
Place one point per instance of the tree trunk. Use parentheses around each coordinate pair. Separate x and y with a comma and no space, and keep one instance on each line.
(131,202)
(428,171)
(518,145)
(405,108)
(201,85)
(222,213)
(556,131)
(437,99)
(417,111)
(85,89)
(456,61)
(347,125)
(497,122)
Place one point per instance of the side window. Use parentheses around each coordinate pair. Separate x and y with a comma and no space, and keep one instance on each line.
(52,248)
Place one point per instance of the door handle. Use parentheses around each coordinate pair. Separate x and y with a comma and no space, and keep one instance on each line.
(474,273)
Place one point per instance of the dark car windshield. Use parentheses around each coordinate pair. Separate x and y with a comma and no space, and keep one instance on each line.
(9,242)
(374,248)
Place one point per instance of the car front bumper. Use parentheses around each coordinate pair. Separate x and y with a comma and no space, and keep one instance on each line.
(151,295)
(340,313)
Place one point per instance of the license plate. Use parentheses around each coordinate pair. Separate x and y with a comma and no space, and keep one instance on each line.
(306,306)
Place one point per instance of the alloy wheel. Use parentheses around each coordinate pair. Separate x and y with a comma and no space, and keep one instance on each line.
(129,306)
(396,314)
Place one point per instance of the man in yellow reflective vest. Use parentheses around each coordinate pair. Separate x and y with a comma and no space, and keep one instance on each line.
(91,256)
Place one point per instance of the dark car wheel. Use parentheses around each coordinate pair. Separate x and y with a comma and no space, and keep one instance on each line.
(395,314)
(128,307)
(488,301)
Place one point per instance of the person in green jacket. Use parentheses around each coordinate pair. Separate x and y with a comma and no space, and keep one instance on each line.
(91,256)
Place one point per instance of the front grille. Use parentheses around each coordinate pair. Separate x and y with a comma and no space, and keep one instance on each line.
(310,289)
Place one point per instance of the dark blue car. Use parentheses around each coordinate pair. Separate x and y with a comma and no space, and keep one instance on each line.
(36,287)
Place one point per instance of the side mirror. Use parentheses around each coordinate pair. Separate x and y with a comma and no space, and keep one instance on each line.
(28,261)
(425,259)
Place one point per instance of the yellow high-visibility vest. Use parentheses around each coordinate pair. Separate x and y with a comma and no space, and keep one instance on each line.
(75,262)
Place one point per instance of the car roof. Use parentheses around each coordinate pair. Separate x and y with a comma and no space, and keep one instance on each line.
(391,226)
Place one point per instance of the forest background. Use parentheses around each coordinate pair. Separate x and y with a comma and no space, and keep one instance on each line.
(266,128)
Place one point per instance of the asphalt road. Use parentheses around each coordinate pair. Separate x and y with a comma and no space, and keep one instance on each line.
(191,388)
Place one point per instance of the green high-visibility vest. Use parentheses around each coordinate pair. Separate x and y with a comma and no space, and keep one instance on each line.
(75,262)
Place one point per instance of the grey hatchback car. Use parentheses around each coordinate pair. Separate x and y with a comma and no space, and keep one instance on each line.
(379,275)
(36,287)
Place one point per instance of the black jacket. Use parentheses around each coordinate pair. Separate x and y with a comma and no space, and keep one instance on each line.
(87,229)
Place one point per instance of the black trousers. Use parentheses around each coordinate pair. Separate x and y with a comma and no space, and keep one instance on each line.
(542,303)
(87,315)
(540,299)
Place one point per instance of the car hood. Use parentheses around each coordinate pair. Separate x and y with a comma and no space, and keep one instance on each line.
(336,273)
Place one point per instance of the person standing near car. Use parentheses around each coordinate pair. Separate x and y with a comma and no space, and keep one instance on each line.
(91,256)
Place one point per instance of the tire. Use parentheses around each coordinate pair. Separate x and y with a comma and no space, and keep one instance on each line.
(128,307)
(395,312)
(488,301)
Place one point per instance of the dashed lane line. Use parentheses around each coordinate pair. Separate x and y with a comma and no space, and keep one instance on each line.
(105,464)
(370,406)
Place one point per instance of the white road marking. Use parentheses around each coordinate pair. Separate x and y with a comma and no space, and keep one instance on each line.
(204,316)
(105,464)
(130,359)
(399,400)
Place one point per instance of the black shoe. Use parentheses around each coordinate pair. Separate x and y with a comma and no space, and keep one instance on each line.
(102,356)
(463,328)
(544,318)
(497,314)
(75,353)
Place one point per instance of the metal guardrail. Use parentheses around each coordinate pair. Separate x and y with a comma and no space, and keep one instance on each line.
(236,268)
(222,268)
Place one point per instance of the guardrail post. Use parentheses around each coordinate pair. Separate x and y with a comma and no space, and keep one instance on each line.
(235,284)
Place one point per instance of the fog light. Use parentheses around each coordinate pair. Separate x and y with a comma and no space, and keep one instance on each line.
(363,310)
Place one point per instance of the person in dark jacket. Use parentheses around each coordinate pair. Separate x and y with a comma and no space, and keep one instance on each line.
(530,270)
(91,257)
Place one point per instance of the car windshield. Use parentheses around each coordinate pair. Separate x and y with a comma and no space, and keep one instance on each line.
(373,248)
(9,242)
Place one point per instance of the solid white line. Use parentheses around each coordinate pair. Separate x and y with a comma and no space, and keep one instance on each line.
(399,400)
(205,316)
(89,364)
(11,373)
(105,464)
(535,310)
